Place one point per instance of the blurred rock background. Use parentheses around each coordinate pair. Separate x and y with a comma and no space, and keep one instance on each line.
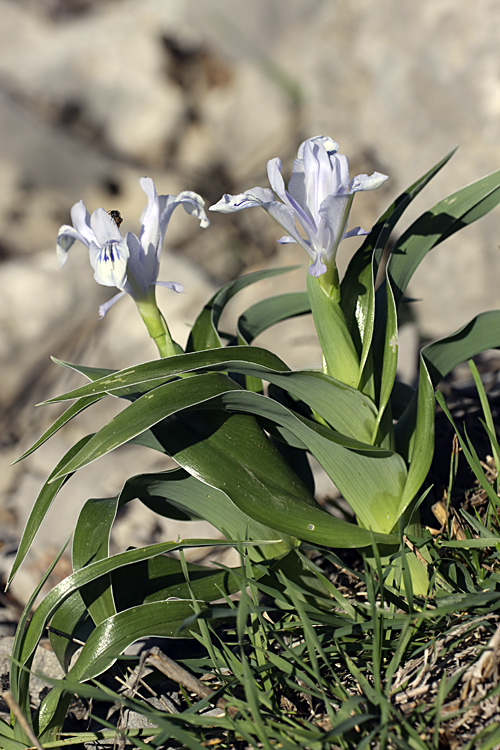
(199,95)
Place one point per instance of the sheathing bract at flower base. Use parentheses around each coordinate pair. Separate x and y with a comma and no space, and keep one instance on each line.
(241,425)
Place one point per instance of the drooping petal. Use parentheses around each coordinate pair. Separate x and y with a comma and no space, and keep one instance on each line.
(367,182)
(103,309)
(286,219)
(192,203)
(249,199)
(317,268)
(65,239)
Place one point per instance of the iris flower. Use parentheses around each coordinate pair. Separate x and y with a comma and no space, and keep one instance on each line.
(129,263)
(318,200)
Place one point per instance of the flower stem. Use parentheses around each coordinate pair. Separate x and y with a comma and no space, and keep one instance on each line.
(157,328)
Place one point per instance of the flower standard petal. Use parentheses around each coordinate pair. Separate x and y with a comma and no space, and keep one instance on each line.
(150,218)
(81,222)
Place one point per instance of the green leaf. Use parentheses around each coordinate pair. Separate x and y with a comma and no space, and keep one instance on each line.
(419,447)
(481,333)
(357,287)
(448,216)
(73,411)
(178,488)
(364,474)
(42,505)
(268,312)
(91,543)
(339,352)
(91,572)
(19,678)
(160,370)
(345,409)
(112,637)
(204,333)
(260,492)
(389,359)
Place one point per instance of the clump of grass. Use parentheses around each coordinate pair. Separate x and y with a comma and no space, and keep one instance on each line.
(336,655)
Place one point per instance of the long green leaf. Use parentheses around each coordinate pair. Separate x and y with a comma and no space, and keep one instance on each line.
(177,487)
(91,543)
(448,216)
(42,505)
(73,411)
(339,352)
(357,287)
(480,334)
(91,572)
(362,473)
(204,333)
(111,638)
(346,409)
(158,371)
(268,312)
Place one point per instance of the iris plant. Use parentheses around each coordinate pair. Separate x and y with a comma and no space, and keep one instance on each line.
(318,199)
(131,263)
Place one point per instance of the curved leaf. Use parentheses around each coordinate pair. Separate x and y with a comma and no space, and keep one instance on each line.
(345,409)
(476,336)
(204,333)
(42,505)
(73,411)
(178,488)
(91,543)
(90,573)
(112,637)
(357,287)
(268,312)
(448,216)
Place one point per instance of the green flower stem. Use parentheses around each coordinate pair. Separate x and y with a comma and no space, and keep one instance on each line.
(158,328)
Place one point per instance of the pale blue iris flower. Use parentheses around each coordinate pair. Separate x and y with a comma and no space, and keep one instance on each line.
(318,199)
(129,263)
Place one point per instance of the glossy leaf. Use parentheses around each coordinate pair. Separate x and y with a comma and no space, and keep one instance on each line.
(112,637)
(346,409)
(339,353)
(178,488)
(204,333)
(357,284)
(42,505)
(448,216)
(476,336)
(91,543)
(353,472)
(266,313)
(91,572)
